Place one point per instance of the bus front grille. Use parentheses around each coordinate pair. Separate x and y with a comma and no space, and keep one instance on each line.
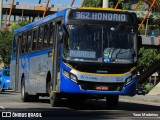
(100,86)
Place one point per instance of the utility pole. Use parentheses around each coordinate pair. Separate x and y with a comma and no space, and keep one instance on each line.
(105,3)
(1,5)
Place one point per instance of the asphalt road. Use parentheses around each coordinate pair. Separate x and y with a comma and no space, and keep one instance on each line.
(91,110)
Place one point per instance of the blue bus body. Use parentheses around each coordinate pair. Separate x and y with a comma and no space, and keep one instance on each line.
(102,71)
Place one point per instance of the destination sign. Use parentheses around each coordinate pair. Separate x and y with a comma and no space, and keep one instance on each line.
(102,16)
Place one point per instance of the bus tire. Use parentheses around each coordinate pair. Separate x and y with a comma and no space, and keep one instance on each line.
(53,99)
(24,95)
(48,87)
(112,102)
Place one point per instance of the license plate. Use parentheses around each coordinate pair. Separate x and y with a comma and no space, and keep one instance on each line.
(102,88)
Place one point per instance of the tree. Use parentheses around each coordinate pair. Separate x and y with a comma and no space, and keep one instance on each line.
(6,42)
(112,3)
(93,3)
(5,46)
(147,57)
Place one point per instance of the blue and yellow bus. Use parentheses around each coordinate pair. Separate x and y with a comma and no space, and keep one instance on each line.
(78,54)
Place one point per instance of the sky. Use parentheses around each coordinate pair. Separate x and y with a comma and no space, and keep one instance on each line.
(68,2)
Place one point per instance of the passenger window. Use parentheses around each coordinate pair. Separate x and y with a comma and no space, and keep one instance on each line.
(52,34)
(40,39)
(46,35)
(28,46)
(15,45)
(34,41)
(23,43)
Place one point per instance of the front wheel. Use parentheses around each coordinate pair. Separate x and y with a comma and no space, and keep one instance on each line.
(112,101)
(24,95)
(53,99)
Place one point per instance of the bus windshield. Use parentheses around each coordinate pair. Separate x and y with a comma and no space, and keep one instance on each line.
(107,44)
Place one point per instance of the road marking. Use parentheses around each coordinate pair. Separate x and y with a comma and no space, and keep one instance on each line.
(1,107)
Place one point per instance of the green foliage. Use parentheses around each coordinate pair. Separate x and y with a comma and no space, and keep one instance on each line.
(155,18)
(148,87)
(147,56)
(23,23)
(6,42)
(141,6)
(125,5)
(112,3)
(5,45)
(93,3)
(19,24)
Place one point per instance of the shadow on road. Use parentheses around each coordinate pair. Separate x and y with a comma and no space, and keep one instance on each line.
(90,110)
(100,105)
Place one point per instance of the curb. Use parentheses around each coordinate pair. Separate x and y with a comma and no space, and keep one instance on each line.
(146,98)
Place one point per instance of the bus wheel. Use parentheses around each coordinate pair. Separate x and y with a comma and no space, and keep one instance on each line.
(53,99)
(48,87)
(24,95)
(112,101)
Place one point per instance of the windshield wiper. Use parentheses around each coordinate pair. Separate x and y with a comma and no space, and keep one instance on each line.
(119,26)
(119,52)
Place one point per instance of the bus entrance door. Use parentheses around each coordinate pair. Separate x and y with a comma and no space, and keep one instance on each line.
(17,63)
(56,67)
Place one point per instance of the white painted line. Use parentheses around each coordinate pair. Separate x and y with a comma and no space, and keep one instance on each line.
(1,107)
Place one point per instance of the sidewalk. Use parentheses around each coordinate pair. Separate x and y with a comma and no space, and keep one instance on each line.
(142,98)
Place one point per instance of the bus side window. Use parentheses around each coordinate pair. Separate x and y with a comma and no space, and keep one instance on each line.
(40,37)
(28,46)
(23,43)
(15,44)
(51,37)
(34,40)
(46,35)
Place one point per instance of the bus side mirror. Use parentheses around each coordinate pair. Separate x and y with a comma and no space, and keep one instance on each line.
(139,41)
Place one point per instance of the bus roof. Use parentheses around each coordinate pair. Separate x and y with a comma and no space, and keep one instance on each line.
(41,21)
(59,14)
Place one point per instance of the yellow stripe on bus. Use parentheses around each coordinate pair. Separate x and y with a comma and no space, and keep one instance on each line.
(133,68)
(52,54)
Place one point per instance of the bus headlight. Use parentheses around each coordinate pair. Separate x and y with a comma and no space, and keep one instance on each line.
(130,79)
(65,73)
(70,76)
(73,78)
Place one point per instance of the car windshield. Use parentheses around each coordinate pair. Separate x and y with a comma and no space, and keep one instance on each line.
(6,73)
(91,43)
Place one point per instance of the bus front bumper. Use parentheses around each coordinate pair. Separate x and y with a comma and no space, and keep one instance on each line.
(69,86)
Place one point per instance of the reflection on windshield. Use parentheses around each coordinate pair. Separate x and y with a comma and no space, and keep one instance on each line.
(99,43)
